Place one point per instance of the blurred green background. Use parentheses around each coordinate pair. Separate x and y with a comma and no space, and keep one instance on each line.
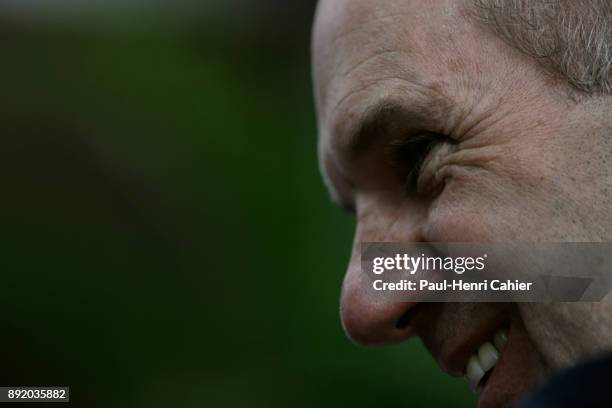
(166,237)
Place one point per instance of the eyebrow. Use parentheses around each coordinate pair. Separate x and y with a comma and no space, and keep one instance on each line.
(388,119)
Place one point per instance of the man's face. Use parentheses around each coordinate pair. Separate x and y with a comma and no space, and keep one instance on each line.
(433,129)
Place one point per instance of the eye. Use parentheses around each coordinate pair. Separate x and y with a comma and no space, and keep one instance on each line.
(410,154)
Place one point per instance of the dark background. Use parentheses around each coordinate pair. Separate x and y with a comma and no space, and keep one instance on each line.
(166,237)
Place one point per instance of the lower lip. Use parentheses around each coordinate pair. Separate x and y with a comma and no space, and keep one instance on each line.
(514,374)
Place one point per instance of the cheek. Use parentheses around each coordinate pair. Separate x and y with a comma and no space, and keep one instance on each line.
(558,329)
(493,193)
(474,205)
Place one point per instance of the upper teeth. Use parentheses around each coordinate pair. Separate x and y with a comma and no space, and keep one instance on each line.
(484,359)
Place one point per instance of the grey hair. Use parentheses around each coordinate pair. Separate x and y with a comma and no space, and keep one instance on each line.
(572,38)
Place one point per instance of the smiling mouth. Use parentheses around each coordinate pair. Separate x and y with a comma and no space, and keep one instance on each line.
(483,360)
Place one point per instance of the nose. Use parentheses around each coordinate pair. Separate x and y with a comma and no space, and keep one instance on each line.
(368,320)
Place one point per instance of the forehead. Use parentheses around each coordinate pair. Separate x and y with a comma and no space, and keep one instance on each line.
(365,50)
(370,53)
(356,41)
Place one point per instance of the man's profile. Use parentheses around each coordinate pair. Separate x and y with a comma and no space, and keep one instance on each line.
(471,120)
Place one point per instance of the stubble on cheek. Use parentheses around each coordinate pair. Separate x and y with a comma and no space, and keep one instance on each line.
(565,333)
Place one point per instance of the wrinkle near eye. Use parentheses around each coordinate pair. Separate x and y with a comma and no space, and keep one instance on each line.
(409,155)
(449,158)
(430,180)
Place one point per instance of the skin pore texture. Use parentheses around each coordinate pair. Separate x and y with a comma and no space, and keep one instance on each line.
(433,129)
